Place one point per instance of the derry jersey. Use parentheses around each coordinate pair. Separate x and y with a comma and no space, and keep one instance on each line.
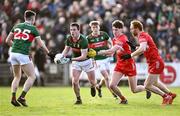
(151,52)
(98,43)
(154,60)
(122,42)
(24,34)
(126,67)
(82,43)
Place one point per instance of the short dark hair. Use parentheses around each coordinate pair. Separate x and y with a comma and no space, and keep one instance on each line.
(29,13)
(74,24)
(118,24)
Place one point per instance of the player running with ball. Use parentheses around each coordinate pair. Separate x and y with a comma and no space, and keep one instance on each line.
(80,62)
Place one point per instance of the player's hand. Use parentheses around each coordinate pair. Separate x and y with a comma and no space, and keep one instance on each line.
(91,53)
(59,56)
(70,57)
(101,52)
(51,54)
(126,56)
(62,60)
(133,46)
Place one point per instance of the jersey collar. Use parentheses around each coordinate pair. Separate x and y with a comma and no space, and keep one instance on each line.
(99,33)
(28,23)
(77,38)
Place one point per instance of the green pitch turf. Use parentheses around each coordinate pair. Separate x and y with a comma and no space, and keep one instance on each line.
(58,101)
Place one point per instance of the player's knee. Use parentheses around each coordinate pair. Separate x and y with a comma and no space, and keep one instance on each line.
(112,86)
(133,90)
(147,86)
(75,82)
(106,79)
(32,76)
(17,78)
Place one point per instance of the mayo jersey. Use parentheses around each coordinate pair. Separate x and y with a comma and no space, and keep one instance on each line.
(24,34)
(82,43)
(98,43)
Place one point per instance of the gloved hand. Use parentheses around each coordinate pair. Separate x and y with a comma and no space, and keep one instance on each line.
(57,58)
(59,55)
(51,54)
(62,60)
(126,56)
(91,53)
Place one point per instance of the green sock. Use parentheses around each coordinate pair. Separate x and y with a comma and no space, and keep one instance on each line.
(14,95)
(23,94)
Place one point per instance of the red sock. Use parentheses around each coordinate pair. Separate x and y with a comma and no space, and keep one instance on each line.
(122,98)
(164,95)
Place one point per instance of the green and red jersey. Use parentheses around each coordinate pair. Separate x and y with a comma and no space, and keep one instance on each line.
(24,34)
(98,43)
(82,43)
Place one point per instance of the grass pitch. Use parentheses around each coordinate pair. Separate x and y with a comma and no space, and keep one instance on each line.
(58,101)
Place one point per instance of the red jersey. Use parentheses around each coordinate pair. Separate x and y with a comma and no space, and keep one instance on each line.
(127,67)
(121,41)
(154,60)
(151,52)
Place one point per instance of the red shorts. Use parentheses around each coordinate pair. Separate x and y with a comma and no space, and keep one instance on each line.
(156,67)
(127,68)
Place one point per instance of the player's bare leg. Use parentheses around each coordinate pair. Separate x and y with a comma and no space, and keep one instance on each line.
(133,85)
(113,85)
(161,86)
(28,69)
(92,80)
(107,81)
(15,83)
(149,85)
(75,85)
(100,84)
(137,88)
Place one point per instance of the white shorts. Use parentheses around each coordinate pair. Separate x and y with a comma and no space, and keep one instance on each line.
(19,59)
(85,66)
(103,64)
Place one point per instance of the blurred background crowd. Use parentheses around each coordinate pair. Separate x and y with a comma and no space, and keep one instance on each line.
(160,19)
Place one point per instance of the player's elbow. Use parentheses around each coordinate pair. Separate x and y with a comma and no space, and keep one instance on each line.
(83,57)
(7,40)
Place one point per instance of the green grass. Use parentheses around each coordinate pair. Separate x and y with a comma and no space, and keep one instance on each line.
(58,101)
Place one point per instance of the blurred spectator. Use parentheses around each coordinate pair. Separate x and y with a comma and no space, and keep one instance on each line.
(40,60)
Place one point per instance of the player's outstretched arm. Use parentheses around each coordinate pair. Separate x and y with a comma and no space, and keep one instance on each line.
(110,51)
(140,50)
(9,39)
(41,44)
(65,51)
